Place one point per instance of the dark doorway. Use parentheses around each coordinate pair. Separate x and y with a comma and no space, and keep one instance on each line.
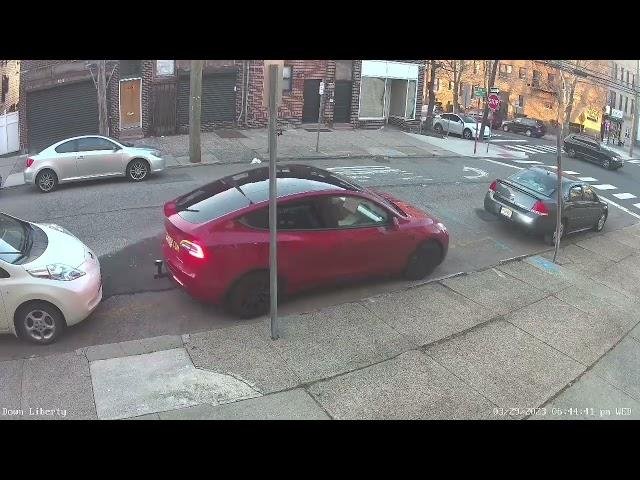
(342,105)
(311,105)
(164,109)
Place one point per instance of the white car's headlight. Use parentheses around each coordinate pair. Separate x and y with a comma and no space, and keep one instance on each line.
(57,271)
(53,226)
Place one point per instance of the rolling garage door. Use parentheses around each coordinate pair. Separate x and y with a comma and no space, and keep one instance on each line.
(218,99)
(60,112)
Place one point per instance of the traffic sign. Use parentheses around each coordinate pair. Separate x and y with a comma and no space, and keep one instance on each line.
(321,90)
(494,102)
(494,90)
(479,92)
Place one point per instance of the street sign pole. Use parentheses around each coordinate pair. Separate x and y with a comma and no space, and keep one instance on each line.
(489,140)
(321,93)
(273,195)
(475,142)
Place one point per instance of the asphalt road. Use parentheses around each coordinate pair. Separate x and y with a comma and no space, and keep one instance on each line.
(122,222)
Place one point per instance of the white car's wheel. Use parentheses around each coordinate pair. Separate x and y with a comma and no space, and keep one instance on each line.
(137,170)
(39,322)
(47,181)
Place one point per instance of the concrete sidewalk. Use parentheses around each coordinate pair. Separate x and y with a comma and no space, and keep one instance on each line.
(523,339)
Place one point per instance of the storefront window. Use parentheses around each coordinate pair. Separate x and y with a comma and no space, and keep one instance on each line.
(165,67)
(411,100)
(372,97)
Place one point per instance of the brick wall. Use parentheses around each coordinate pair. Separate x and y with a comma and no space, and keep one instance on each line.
(290,111)
(10,69)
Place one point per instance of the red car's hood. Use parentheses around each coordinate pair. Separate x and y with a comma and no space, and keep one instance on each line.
(406,207)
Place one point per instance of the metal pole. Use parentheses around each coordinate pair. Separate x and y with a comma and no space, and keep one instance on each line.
(103,118)
(320,115)
(559,171)
(634,125)
(195,109)
(475,141)
(273,194)
(489,141)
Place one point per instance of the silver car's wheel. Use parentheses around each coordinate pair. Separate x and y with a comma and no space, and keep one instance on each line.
(39,322)
(601,222)
(505,128)
(47,180)
(138,170)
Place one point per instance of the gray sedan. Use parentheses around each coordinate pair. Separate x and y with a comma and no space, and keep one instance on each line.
(90,157)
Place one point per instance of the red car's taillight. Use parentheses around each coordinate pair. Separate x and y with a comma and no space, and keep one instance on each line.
(169,209)
(192,248)
(493,186)
(540,208)
(29,162)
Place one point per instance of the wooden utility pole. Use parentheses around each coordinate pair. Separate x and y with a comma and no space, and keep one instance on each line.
(634,128)
(432,96)
(195,110)
(101,83)
(275,76)
(559,136)
(492,81)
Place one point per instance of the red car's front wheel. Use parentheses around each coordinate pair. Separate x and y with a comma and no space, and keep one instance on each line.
(424,260)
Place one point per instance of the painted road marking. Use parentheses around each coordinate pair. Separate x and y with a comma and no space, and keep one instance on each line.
(637,205)
(624,196)
(480,173)
(588,179)
(606,186)
(570,172)
(503,164)
(626,210)
(366,171)
(633,161)
(533,162)
(529,148)
(495,141)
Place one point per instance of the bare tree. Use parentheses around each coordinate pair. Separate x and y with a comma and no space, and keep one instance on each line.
(433,67)
(454,70)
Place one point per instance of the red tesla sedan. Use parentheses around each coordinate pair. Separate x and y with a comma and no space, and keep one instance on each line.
(329,229)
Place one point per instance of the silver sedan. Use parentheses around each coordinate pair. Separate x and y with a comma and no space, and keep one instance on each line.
(90,157)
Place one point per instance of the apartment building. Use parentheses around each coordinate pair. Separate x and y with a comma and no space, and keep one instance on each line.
(528,88)
(9,85)
(620,105)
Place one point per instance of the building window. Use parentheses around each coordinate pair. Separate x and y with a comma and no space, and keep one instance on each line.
(615,70)
(613,99)
(437,86)
(627,77)
(5,88)
(626,104)
(536,78)
(523,73)
(344,69)
(548,105)
(399,95)
(130,68)
(633,80)
(622,74)
(633,104)
(450,85)
(551,78)
(287,75)
(476,66)
(520,101)
(620,106)
(165,68)
(505,70)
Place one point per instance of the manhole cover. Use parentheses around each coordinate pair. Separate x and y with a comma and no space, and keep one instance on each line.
(226,133)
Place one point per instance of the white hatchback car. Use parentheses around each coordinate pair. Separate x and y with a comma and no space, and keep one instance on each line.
(466,127)
(48,280)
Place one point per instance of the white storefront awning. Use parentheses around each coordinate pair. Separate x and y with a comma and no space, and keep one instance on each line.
(389,69)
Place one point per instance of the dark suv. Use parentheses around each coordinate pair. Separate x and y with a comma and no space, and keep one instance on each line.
(583,146)
(529,126)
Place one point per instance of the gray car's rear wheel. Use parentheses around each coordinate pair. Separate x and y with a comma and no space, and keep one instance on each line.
(467,134)
(600,224)
(438,128)
(571,152)
(137,170)
(424,260)
(39,322)
(47,181)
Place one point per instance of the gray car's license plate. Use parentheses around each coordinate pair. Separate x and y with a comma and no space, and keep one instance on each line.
(506,212)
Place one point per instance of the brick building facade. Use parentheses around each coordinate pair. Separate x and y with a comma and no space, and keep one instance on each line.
(9,85)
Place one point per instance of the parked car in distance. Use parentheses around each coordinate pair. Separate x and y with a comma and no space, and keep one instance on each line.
(528,199)
(90,157)
(49,280)
(329,230)
(529,126)
(494,121)
(583,146)
(466,127)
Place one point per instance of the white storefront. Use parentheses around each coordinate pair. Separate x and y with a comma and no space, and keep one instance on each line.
(388,89)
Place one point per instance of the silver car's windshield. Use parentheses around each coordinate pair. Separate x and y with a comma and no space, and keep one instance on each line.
(468,120)
(14,239)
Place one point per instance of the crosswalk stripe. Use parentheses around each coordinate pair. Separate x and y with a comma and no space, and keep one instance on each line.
(606,186)
(633,161)
(637,205)
(571,172)
(533,162)
(588,179)
(624,196)
(549,148)
(523,148)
